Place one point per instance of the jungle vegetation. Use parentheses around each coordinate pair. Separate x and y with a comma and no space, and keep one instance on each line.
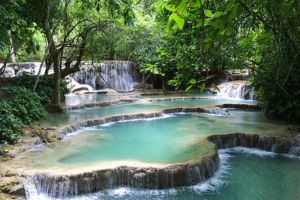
(188,43)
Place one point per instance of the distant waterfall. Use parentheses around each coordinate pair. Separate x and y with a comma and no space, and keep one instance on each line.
(236,90)
(119,75)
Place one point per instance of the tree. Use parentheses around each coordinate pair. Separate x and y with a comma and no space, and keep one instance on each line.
(66,25)
(260,35)
(16,32)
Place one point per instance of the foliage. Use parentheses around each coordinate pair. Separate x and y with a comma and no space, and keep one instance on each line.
(44,90)
(18,106)
(17,34)
(207,37)
(195,54)
(137,42)
(188,43)
(9,124)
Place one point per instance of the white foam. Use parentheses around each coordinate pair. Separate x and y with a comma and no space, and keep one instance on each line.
(120,192)
(124,192)
(163,116)
(251,151)
(213,184)
(31,191)
(80,131)
(219,179)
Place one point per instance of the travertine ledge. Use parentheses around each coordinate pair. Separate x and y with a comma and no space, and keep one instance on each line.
(186,173)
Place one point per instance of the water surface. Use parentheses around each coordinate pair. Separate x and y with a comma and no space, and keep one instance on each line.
(73,116)
(175,138)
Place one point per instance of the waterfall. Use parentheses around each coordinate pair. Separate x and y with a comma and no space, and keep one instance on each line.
(118,75)
(43,186)
(17,69)
(236,90)
(73,86)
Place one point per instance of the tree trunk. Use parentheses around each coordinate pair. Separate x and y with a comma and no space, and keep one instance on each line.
(48,64)
(164,88)
(56,96)
(55,105)
(12,53)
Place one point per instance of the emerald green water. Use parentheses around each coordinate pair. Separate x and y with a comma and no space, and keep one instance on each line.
(167,140)
(242,177)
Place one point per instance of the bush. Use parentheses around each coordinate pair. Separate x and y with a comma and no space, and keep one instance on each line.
(18,106)
(45,87)
(9,124)
(25,103)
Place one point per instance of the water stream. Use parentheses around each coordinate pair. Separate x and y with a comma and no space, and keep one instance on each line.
(119,75)
(244,176)
(73,116)
(236,90)
(176,138)
(172,138)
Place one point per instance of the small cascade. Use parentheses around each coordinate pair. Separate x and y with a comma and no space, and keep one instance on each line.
(18,69)
(119,75)
(73,86)
(43,186)
(295,150)
(236,90)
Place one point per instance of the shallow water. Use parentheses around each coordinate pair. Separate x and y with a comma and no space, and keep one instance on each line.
(166,140)
(254,175)
(244,177)
(74,99)
(73,116)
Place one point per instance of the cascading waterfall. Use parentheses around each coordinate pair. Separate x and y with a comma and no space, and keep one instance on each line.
(45,186)
(119,75)
(236,90)
(18,69)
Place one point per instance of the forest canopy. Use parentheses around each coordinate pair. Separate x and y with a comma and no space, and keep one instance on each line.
(188,43)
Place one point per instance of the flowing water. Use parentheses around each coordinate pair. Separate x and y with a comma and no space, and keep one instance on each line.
(73,116)
(119,75)
(251,175)
(244,174)
(169,139)
(236,90)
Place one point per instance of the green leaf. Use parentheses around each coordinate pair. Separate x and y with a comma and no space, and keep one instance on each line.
(170,7)
(192,82)
(217,14)
(234,11)
(202,87)
(195,3)
(208,13)
(207,21)
(188,88)
(181,6)
(175,22)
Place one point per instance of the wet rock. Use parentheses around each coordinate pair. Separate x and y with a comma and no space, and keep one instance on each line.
(11,185)
(151,178)
(267,143)
(143,86)
(35,131)
(253,107)
(100,104)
